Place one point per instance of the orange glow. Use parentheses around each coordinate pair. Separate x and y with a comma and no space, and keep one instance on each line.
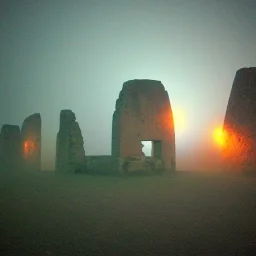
(29,148)
(238,151)
(179,120)
(219,137)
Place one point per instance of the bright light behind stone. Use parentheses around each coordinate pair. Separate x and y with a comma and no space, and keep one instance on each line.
(179,121)
(219,136)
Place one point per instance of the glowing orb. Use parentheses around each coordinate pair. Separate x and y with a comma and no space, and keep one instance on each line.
(29,148)
(219,136)
(179,120)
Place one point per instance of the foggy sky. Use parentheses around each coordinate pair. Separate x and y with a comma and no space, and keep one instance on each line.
(70,54)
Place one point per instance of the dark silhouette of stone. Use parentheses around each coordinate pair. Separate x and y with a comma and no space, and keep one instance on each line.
(143,113)
(70,154)
(239,130)
(1,153)
(31,142)
(10,151)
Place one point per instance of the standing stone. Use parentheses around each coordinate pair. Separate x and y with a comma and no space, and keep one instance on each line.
(70,154)
(1,153)
(31,143)
(143,113)
(239,151)
(10,152)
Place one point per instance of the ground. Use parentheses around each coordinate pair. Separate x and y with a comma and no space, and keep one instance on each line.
(179,214)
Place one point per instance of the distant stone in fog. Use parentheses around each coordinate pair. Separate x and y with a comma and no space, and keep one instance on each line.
(10,151)
(31,143)
(70,154)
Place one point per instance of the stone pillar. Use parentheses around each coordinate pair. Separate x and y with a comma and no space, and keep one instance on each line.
(1,153)
(31,143)
(156,149)
(10,152)
(70,154)
(239,130)
(143,113)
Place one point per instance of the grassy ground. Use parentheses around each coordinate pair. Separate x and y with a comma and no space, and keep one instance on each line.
(180,214)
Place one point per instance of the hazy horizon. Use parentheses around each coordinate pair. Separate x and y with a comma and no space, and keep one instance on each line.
(77,54)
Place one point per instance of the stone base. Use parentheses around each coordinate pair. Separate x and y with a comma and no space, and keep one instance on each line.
(108,165)
(140,164)
(105,164)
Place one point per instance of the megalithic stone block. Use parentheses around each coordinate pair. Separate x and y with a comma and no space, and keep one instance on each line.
(10,151)
(239,129)
(143,113)
(31,142)
(70,154)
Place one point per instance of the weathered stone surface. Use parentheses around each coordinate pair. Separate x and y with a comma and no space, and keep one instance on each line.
(70,154)
(31,142)
(143,113)
(10,151)
(109,165)
(239,151)
(101,164)
(132,164)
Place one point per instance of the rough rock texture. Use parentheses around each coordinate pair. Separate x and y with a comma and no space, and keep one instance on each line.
(239,152)
(101,164)
(70,155)
(143,112)
(132,164)
(31,142)
(10,151)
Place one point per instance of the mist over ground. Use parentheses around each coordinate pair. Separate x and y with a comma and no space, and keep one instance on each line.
(178,214)
(76,55)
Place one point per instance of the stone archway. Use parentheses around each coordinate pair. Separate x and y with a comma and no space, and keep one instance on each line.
(143,112)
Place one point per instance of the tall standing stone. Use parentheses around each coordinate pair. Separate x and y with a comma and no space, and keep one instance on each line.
(239,151)
(1,153)
(70,154)
(10,152)
(143,113)
(31,142)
